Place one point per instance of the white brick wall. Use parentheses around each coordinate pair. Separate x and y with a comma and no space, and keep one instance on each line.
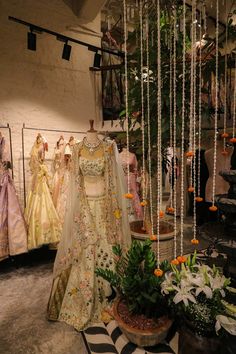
(39,88)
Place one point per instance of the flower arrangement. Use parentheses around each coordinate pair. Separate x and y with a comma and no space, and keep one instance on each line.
(196,294)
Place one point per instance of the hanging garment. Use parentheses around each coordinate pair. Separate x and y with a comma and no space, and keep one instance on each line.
(129,159)
(44,226)
(96,218)
(13,234)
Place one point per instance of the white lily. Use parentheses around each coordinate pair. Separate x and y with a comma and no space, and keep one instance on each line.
(183,294)
(201,286)
(228,323)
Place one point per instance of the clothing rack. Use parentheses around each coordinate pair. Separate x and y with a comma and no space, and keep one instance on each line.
(10,142)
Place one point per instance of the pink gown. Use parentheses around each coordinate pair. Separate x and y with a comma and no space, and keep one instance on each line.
(13,234)
(130,159)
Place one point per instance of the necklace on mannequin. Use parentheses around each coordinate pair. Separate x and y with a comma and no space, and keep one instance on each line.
(92,147)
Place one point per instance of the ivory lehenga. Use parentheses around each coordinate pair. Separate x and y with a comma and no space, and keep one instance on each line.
(44,226)
(13,234)
(96,218)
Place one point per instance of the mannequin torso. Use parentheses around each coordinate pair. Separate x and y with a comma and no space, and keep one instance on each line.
(92,165)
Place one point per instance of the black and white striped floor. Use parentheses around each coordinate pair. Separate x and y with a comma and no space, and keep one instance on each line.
(108,339)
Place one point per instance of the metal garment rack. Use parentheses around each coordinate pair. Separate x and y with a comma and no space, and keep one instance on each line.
(10,141)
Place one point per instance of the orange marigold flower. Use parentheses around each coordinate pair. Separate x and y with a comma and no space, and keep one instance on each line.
(158,272)
(213,208)
(181,259)
(128,195)
(170,210)
(189,154)
(174,261)
(153,237)
(194,241)
(233,140)
(190,189)
(161,214)
(224,152)
(143,203)
(199,199)
(224,135)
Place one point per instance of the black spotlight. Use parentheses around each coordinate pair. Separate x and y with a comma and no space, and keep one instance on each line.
(31,41)
(66,51)
(97,61)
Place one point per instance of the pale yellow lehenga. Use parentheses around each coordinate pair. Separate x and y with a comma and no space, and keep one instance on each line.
(92,225)
(42,220)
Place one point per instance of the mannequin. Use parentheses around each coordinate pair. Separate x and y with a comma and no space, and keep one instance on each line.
(96,219)
(222,163)
(129,158)
(44,226)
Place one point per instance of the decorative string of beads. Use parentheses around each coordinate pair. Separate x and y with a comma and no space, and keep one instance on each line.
(213,207)
(182,135)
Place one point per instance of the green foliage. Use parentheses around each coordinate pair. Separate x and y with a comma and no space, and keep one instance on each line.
(135,280)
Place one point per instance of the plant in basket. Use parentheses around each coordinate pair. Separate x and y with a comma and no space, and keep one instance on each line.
(196,294)
(141,310)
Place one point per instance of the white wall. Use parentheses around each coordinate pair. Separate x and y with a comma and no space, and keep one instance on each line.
(39,88)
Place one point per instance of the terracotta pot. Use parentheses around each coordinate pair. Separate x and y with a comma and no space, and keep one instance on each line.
(191,343)
(140,337)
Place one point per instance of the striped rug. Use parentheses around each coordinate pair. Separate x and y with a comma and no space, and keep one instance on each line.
(108,339)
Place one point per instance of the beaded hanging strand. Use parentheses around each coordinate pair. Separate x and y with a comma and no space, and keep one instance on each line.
(190,153)
(159,197)
(127,195)
(142,99)
(194,125)
(213,207)
(182,136)
(174,133)
(225,135)
(148,125)
(171,209)
(199,198)
(233,139)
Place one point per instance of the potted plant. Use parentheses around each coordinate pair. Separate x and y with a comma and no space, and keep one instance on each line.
(141,310)
(196,293)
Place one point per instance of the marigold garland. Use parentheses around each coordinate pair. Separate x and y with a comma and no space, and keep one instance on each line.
(128,195)
(213,208)
(199,199)
(224,135)
(189,154)
(182,259)
(195,241)
(143,203)
(190,189)
(174,261)
(158,272)
(153,237)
